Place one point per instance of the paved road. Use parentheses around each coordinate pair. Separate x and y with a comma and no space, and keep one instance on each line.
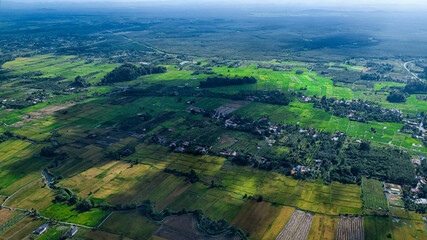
(405,65)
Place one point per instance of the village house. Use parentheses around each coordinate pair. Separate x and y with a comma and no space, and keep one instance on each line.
(416,161)
(72,231)
(40,230)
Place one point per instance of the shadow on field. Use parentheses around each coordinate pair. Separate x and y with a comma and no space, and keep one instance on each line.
(184,227)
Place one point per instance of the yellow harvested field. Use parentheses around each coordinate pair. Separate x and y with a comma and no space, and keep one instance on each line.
(92,180)
(323,227)
(255,217)
(278,223)
(33,196)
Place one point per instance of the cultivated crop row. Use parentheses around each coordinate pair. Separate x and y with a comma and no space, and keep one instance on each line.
(297,227)
(350,228)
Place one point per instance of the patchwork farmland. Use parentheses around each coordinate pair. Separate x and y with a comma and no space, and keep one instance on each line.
(158,157)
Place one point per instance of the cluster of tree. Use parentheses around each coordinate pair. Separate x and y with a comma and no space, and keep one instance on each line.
(19,103)
(359,160)
(129,72)
(370,77)
(416,87)
(242,160)
(4,137)
(122,152)
(212,82)
(396,97)
(191,176)
(210,226)
(78,82)
(360,111)
(408,200)
(66,195)
(48,152)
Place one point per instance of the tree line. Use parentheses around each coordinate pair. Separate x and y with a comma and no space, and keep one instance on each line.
(129,72)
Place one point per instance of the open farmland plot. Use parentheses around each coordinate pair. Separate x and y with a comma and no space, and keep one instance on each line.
(117,182)
(298,226)
(64,212)
(323,227)
(35,196)
(377,227)
(347,196)
(334,199)
(81,158)
(255,217)
(101,235)
(276,226)
(373,195)
(184,227)
(90,181)
(230,107)
(407,229)
(18,165)
(131,224)
(6,214)
(31,133)
(22,229)
(39,114)
(210,103)
(101,114)
(67,67)
(350,228)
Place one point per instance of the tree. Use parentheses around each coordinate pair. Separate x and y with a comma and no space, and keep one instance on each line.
(129,72)
(78,82)
(192,176)
(365,146)
(84,205)
(396,97)
(48,152)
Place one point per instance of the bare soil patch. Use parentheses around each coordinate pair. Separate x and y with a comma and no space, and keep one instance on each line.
(6,214)
(230,107)
(39,114)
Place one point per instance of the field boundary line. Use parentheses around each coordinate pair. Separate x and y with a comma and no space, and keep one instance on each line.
(2,205)
(105,219)
(405,65)
(19,229)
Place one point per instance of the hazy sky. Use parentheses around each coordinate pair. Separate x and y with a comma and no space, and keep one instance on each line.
(331,4)
(308,2)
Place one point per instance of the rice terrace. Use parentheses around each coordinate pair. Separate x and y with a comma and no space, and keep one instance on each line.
(213,120)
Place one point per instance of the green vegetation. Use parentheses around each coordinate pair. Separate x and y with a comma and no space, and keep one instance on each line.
(142,134)
(373,196)
(64,212)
